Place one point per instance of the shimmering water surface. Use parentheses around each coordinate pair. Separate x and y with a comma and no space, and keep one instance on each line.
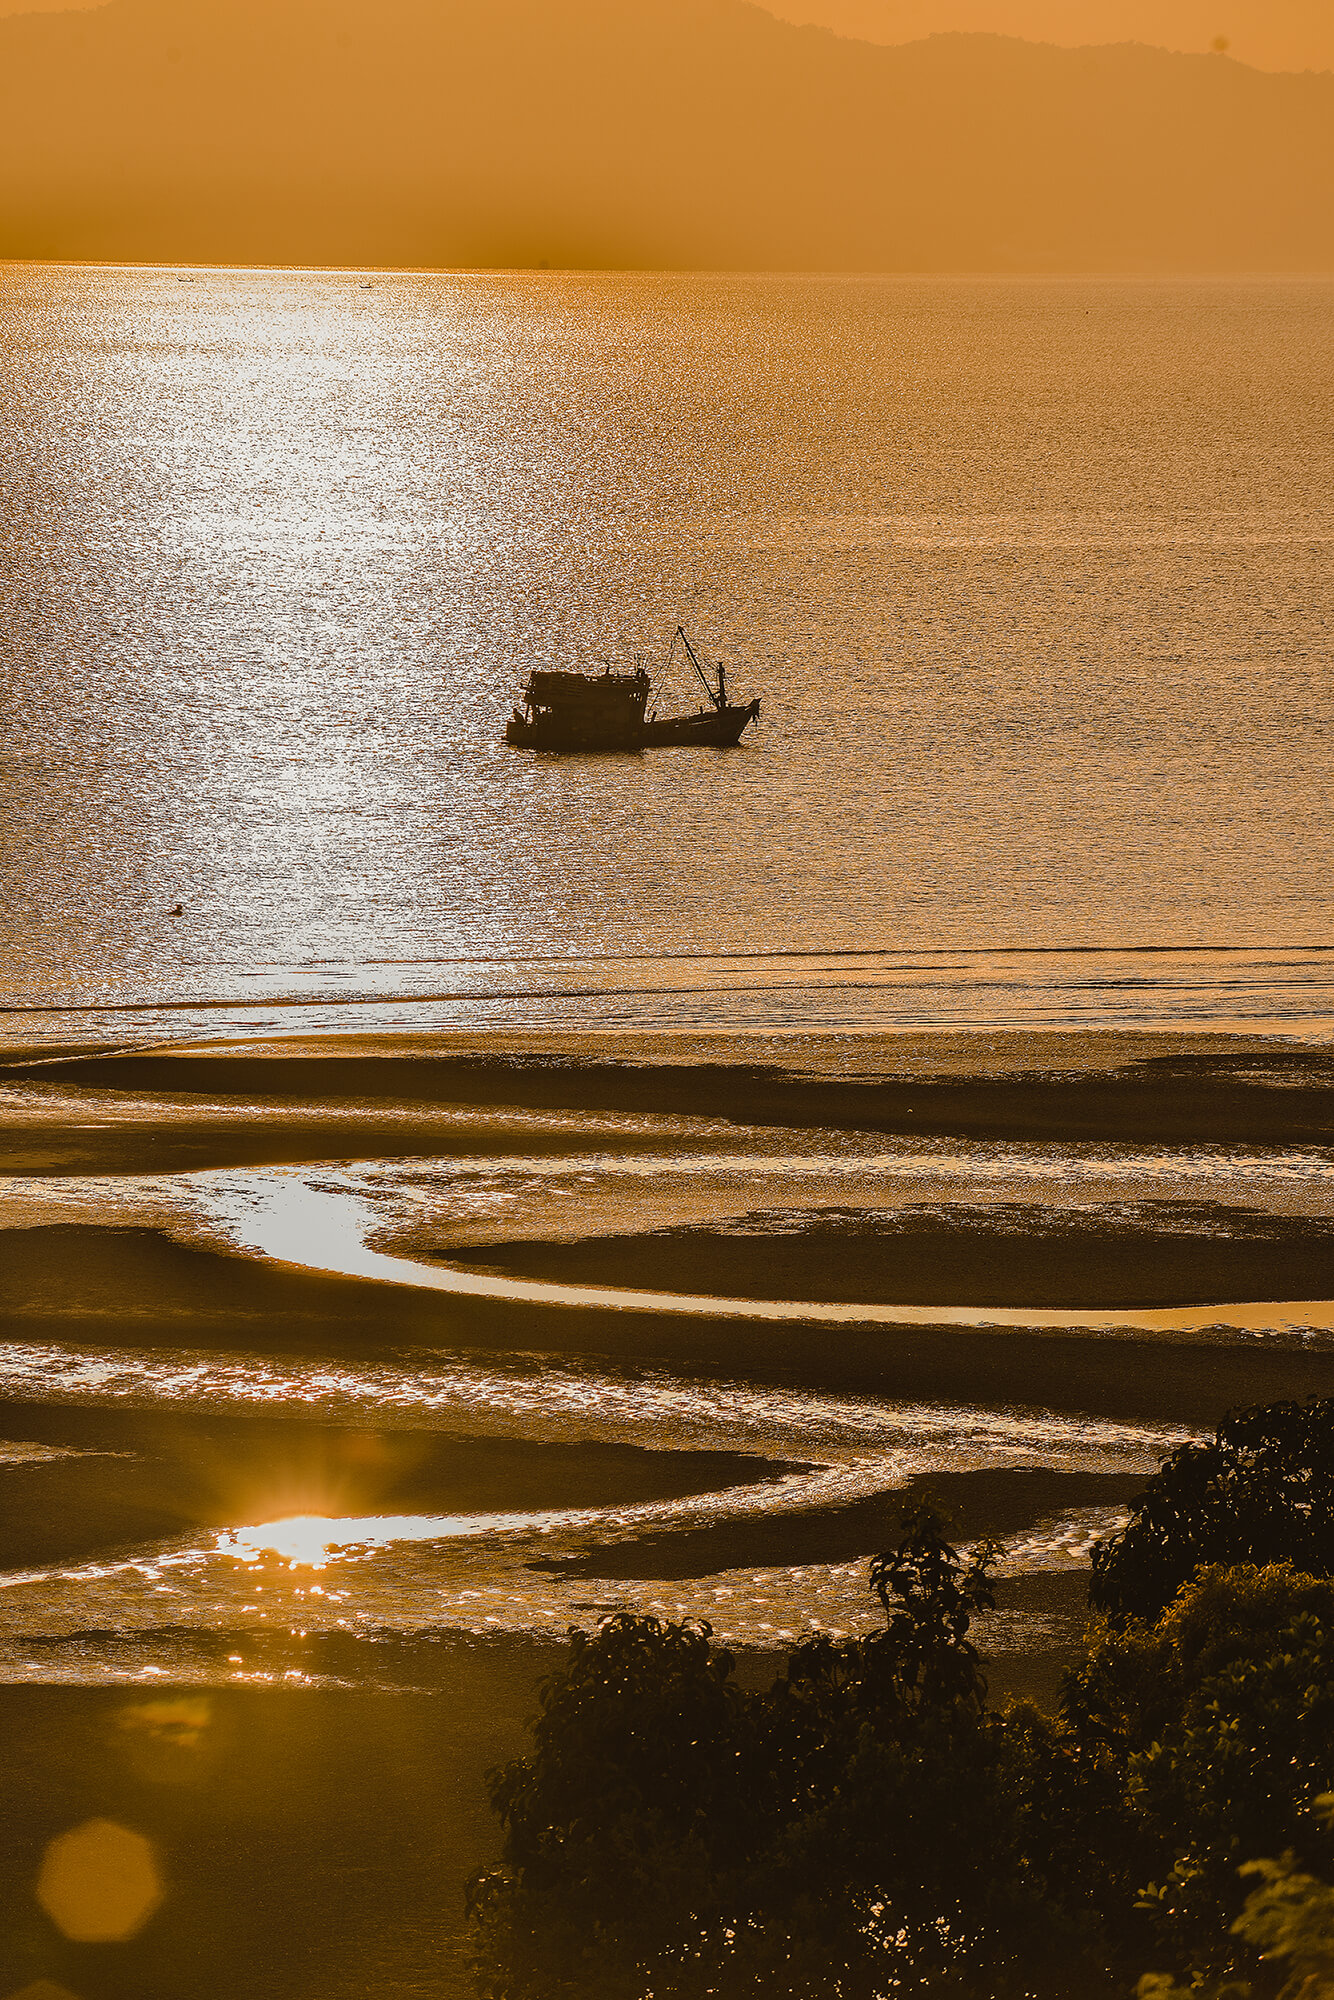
(1033,579)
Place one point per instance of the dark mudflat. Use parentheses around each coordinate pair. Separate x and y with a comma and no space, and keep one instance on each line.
(961,1254)
(1001,1502)
(313,1841)
(1129,1087)
(147,1476)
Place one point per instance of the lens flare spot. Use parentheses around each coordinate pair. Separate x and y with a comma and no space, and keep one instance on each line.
(180,1725)
(99,1883)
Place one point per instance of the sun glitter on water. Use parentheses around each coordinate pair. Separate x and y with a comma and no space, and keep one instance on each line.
(306,1539)
(314,1540)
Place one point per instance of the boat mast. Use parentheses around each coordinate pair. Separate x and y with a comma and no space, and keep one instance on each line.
(720,697)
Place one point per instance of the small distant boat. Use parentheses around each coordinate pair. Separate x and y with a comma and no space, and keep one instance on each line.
(610,711)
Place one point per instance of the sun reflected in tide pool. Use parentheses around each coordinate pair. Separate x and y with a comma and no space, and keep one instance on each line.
(313,1540)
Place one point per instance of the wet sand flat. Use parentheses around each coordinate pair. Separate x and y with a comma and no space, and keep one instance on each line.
(1131,1086)
(318,1801)
(1009,1254)
(123,1289)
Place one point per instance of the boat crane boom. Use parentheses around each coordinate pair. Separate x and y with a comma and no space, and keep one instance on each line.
(718,697)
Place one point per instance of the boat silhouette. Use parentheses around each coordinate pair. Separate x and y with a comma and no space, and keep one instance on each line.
(610,711)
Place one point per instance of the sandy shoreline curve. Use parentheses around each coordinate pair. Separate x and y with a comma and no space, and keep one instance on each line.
(278,1102)
(318,1230)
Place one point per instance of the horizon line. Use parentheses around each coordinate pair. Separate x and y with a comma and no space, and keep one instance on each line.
(1100,274)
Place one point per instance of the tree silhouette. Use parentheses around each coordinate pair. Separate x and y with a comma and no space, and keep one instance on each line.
(1262,1491)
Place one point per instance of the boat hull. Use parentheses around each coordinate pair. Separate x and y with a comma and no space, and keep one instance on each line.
(545,732)
(720,727)
(717,728)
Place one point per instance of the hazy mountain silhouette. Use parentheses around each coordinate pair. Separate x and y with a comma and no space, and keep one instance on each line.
(661,133)
(1269,34)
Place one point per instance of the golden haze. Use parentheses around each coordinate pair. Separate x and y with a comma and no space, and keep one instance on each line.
(641,133)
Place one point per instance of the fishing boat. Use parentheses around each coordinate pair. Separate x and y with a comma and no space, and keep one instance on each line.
(610,711)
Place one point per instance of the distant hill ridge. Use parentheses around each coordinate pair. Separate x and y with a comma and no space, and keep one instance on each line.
(655,133)
(1267,34)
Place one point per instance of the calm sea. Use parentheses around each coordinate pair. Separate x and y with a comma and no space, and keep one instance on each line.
(1033,579)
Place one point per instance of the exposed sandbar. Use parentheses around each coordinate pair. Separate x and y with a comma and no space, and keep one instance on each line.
(960,1254)
(1124,1086)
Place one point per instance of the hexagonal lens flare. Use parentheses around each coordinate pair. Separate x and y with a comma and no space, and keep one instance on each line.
(99,1883)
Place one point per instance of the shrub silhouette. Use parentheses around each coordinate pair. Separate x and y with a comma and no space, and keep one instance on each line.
(1262,1491)
(1216,1723)
(1289,1920)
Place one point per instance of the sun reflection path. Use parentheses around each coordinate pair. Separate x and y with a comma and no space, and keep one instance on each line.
(311,1540)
